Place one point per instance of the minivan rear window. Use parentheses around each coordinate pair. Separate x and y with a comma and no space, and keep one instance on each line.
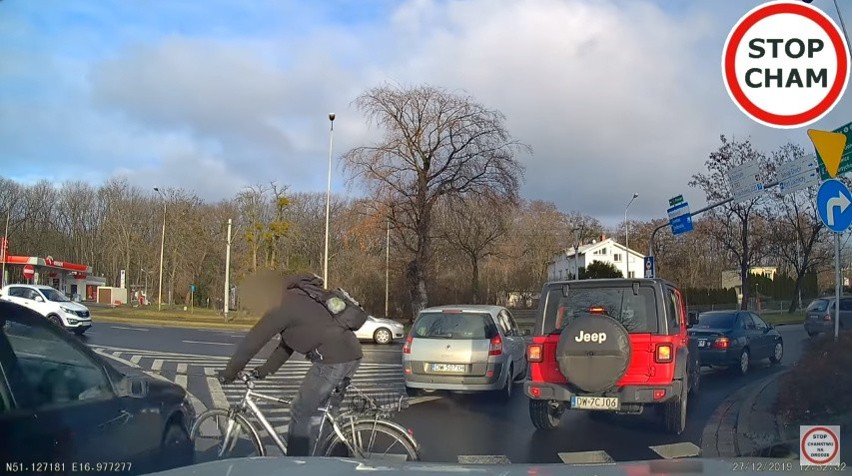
(637,313)
(818,305)
(451,325)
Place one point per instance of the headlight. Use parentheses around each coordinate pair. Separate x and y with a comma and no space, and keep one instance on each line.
(68,310)
(73,321)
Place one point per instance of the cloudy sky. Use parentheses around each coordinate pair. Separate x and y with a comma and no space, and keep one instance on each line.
(614,96)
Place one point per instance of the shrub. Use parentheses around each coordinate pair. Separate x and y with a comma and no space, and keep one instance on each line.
(820,384)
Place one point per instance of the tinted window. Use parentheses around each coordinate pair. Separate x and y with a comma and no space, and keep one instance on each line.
(747,322)
(716,320)
(443,325)
(54,371)
(638,313)
(54,295)
(818,305)
(16,292)
(846,304)
(758,322)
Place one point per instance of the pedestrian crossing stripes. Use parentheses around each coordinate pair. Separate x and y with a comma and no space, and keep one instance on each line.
(671,451)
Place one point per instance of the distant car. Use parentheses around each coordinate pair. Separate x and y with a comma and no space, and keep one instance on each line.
(380,331)
(735,339)
(51,304)
(465,348)
(820,316)
(71,411)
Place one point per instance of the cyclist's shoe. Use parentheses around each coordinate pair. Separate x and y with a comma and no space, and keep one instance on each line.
(222,378)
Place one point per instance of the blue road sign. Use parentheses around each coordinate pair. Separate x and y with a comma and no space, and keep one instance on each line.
(833,204)
(649,267)
(192,287)
(680,219)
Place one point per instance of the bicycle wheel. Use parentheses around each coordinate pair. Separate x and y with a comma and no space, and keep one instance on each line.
(213,441)
(369,437)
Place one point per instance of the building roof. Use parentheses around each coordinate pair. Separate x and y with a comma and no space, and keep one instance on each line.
(591,247)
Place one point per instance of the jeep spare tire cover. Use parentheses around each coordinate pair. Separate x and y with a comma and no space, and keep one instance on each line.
(593,352)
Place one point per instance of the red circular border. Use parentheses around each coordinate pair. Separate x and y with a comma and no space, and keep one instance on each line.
(833,436)
(730,71)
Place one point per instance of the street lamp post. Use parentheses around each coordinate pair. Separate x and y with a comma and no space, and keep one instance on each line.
(387,269)
(4,247)
(227,303)
(627,235)
(162,250)
(328,201)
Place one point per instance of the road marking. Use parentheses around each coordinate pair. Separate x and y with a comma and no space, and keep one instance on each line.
(209,372)
(181,368)
(683,449)
(424,399)
(157,365)
(140,329)
(586,457)
(205,342)
(216,392)
(484,459)
(136,358)
(181,380)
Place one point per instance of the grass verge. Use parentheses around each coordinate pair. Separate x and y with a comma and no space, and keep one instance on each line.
(784,318)
(820,384)
(171,317)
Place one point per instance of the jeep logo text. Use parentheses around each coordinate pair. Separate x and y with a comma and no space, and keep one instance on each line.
(598,337)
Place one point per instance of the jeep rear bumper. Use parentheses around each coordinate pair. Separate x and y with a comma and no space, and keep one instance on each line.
(626,395)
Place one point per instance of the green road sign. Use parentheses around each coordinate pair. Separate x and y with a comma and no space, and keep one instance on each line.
(676,200)
(846,160)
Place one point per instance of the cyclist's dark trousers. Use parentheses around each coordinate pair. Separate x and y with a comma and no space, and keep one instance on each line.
(318,385)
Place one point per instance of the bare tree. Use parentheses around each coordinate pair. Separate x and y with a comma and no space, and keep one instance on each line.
(798,230)
(731,222)
(436,143)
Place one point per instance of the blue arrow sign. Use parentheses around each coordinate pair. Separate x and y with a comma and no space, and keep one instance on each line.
(833,204)
(649,267)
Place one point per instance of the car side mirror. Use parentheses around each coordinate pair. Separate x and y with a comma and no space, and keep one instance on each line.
(38,299)
(133,387)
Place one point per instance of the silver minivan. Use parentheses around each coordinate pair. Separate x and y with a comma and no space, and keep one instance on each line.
(465,348)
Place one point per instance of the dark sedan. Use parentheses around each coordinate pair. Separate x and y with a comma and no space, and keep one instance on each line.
(63,409)
(735,339)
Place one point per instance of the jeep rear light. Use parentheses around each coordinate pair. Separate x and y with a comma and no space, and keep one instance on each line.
(406,348)
(659,394)
(535,353)
(535,391)
(496,346)
(722,343)
(596,310)
(663,354)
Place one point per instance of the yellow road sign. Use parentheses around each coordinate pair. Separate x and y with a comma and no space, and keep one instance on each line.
(830,147)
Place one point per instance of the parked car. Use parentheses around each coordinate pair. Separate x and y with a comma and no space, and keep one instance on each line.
(68,407)
(611,346)
(821,312)
(735,339)
(464,348)
(51,304)
(380,331)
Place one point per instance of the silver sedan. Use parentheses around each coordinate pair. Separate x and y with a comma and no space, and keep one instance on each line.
(380,331)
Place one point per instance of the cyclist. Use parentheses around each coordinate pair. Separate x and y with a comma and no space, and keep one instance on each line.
(317,323)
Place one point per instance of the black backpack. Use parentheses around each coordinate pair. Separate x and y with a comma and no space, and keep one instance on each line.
(343,307)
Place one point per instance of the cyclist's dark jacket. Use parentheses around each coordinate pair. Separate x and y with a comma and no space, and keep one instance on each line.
(304,324)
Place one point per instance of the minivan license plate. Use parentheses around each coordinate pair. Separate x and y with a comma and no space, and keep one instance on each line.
(595,403)
(702,343)
(454,368)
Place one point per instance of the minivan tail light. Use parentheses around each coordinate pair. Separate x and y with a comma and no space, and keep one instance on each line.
(406,348)
(663,354)
(596,310)
(496,346)
(535,353)
(722,343)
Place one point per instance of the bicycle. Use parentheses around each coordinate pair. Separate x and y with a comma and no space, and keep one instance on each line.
(346,426)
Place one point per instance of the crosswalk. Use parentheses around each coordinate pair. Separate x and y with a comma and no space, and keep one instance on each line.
(671,451)
(197,374)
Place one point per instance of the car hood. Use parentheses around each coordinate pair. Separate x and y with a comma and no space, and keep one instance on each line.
(340,466)
(74,306)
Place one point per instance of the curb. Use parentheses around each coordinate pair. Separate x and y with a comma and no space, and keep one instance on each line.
(720,437)
(170,323)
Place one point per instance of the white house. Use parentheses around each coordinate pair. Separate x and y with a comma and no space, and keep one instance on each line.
(605,250)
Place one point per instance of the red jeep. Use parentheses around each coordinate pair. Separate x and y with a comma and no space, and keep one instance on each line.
(611,345)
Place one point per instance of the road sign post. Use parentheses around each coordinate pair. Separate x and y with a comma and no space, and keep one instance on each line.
(785,64)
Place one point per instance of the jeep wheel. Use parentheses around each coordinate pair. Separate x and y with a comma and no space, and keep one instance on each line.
(544,416)
(777,352)
(593,352)
(743,365)
(674,413)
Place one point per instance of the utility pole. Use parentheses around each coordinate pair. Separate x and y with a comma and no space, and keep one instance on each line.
(4,248)
(162,252)
(328,201)
(228,272)
(387,269)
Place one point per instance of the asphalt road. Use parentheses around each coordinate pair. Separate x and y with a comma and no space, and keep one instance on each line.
(450,427)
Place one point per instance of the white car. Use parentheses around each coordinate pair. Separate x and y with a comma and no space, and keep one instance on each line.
(380,331)
(51,304)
